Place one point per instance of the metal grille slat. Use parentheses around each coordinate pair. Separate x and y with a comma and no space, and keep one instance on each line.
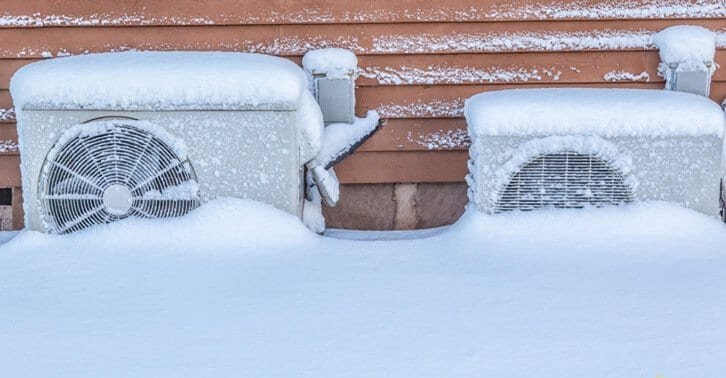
(77,176)
(563,180)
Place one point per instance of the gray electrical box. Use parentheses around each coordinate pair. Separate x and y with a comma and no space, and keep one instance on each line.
(336,98)
(698,82)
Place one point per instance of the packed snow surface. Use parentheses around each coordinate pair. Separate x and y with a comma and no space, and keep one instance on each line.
(603,112)
(334,62)
(686,44)
(160,81)
(238,288)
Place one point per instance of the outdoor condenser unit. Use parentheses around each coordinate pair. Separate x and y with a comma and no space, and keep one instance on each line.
(108,136)
(575,148)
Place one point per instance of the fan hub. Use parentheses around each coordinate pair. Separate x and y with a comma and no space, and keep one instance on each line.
(117,199)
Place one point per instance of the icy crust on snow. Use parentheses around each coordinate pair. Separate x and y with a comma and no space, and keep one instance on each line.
(603,112)
(340,137)
(335,63)
(160,81)
(689,46)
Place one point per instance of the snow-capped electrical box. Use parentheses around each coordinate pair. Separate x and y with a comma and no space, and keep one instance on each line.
(687,58)
(336,98)
(332,73)
(691,81)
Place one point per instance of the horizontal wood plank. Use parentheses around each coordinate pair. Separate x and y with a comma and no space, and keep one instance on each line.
(359,168)
(447,101)
(419,135)
(290,40)
(22,13)
(506,68)
(9,170)
(8,68)
(8,132)
(395,167)
(436,101)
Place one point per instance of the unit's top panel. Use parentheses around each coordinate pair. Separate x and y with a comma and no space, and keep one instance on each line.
(160,81)
(603,112)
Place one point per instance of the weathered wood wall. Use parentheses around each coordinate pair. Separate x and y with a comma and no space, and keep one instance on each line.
(419,59)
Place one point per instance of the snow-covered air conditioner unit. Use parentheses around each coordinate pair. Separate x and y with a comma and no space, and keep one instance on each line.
(574,148)
(687,58)
(108,136)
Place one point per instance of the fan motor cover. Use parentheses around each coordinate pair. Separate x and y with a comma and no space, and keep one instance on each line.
(110,169)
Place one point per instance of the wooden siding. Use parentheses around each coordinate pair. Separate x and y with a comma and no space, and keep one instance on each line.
(419,60)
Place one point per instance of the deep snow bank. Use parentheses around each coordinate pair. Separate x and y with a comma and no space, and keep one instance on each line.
(220,224)
(648,227)
(634,291)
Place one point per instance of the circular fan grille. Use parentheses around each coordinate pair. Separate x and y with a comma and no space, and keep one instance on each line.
(112,170)
(564,180)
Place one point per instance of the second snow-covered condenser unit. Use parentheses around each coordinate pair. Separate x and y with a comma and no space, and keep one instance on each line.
(574,148)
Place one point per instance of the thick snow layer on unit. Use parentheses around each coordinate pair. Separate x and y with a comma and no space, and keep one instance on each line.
(686,44)
(334,62)
(236,288)
(603,112)
(311,127)
(160,80)
(341,137)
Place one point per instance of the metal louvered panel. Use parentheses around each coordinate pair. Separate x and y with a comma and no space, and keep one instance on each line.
(119,172)
(564,180)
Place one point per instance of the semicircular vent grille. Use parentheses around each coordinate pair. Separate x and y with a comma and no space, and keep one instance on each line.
(564,180)
(114,172)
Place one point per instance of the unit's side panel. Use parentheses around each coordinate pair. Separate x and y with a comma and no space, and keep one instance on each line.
(250,154)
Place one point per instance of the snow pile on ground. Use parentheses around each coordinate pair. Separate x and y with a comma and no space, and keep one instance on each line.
(340,138)
(627,227)
(603,112)
(690,47)
(333,62)
(160,80)
(238,288)
(262,225)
